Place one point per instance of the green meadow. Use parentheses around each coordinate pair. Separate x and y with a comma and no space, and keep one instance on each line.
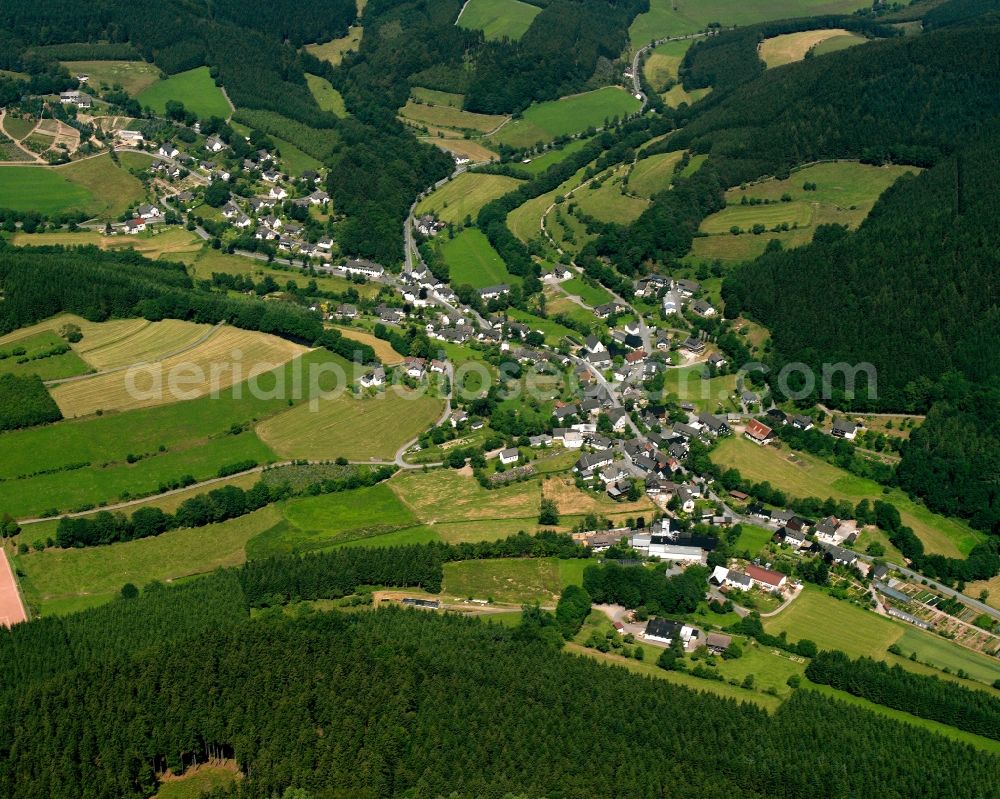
(464,195)
(498,19)
(542,122)
(195,88)
(471,259)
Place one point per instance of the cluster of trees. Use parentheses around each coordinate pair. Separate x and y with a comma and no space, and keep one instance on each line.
(837,451)
(217,505)
(572,610)
(25,402)
(951,460)
(638,587)
(925,696)
(752,627)
(403,697)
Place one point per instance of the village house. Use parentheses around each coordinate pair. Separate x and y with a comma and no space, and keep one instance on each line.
(664,631)
(414,367)
(376,377)
(361,266)
(767,579)
(703,309)
(509,456)
(136,225)
(758,432)
(167,150)
(844,428)
(346,311)
(493,292)
(214,144)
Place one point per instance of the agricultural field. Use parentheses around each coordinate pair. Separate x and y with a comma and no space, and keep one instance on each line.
(663,61)
(195,88)
(174,242)
(143,342)
(58,580)
(471,259)
(132,76)
(942,654)
(524,220)
(677,95)
(542,122)
(333,51)
(95,186)
(498,19)
(801,475)
(512,581)
(78,463)
(383,349)
(571,501)
(845,193)
(354,428)
(791,47)
(446,116)
(672,18)
(464,195)
(604,199)
(327,98)
(47,367)
(447,495)
(314,523)
(653,174)
(227,356)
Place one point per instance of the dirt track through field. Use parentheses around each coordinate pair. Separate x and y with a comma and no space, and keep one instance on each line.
(11,608)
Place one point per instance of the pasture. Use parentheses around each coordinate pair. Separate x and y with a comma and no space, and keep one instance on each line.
(446,116)
(195,88)
(801,475)
(464,195)
(471,259)
(752,539)
(554,332)
(17,127)
(435,97)
(464,148)
(551,156)
(941,653)
(47,367)
(663,61)
(791,47)
(836,43)
(604,199)
(327,98)
(345,426)
(653,174)
(590,293)
(320,522)
(524,220)
(333,51)
(512,581)
(446,495)
(95,186)
(132,76)
(227,356)
(542,122)
(498,19)
(673,18)
(61,578)
(688,385)
(797,214)
(677,94)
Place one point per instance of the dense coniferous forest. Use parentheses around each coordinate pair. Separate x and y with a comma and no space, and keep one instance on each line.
(385,703)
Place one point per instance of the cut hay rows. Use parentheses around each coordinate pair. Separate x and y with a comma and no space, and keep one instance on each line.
(791,47)
(234,355)
(148,343)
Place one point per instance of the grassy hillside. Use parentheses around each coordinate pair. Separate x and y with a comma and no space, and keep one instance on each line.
(195,88)
(498,19)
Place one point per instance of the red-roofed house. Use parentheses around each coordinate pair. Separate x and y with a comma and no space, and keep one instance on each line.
(767,579)
(758,432)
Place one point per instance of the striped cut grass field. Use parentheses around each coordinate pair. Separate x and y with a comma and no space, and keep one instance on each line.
(472,260)
(447,117)
(148,342)
(343,426)
(228,356)
(653,174)
(383,349)
(498,19)
(606,201)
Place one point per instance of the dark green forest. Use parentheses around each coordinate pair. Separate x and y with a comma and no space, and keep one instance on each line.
(396,702)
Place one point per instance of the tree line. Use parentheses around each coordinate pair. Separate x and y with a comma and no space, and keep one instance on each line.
(928,697)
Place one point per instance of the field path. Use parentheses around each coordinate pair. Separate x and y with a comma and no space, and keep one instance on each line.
(11,607)
(208,334)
